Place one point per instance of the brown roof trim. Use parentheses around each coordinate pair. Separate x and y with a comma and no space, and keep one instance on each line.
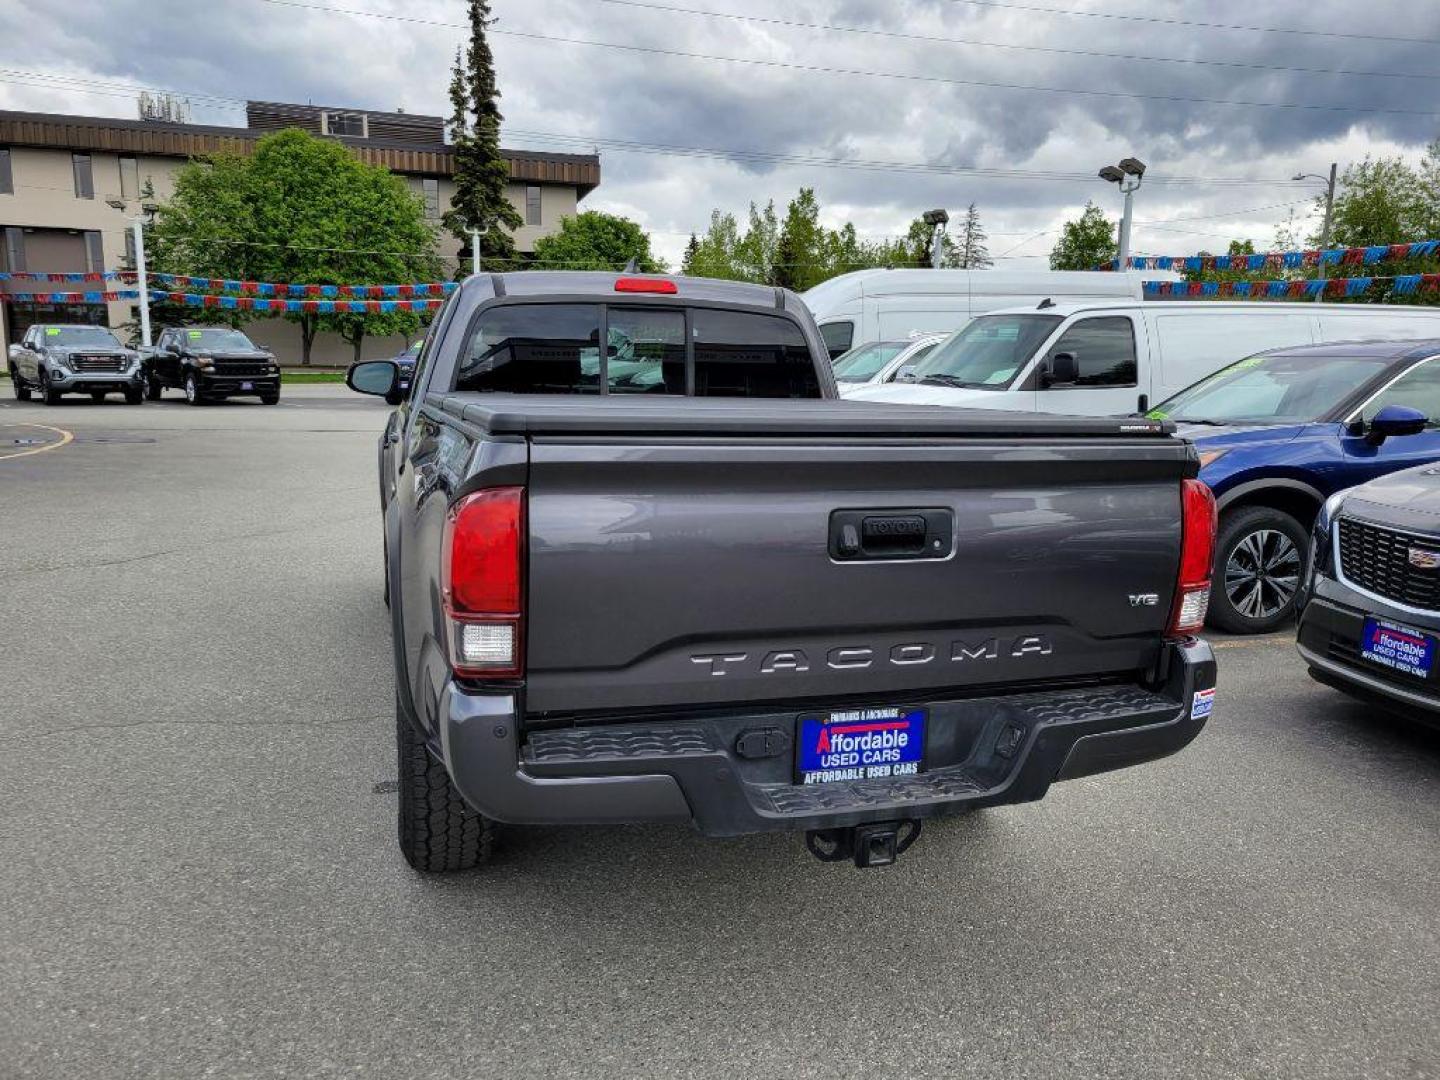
(62,131)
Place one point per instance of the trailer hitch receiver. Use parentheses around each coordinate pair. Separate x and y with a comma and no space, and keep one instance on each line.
(877,844)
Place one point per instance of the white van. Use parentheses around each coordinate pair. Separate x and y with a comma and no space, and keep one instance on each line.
(1107,359)
(885,305)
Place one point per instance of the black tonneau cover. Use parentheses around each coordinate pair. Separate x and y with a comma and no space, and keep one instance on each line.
(546,414)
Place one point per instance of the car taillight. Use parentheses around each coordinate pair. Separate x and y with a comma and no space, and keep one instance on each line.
(1197,558)
(482,560)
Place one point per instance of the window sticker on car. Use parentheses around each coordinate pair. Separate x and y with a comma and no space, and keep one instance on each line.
(52,331)
(1203,703)
(194,335)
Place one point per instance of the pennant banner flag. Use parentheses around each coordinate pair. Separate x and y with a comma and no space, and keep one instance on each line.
(268,289)
(1402,285)
(1277,260)
(70,297)
(294,307)
(25,275)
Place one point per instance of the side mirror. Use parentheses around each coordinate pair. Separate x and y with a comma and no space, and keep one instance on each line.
(1063,368)
(15,350)
(1395,420)
(376,377)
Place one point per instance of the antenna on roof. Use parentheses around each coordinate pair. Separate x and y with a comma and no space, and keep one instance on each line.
(1046,303)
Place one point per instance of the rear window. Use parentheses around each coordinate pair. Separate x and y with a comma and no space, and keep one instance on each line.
(555,349)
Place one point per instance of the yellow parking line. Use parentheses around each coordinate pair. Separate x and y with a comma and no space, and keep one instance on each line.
(65,437)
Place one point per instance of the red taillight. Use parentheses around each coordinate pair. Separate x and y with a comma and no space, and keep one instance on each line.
(482,560)
(1197,558)
(645,285)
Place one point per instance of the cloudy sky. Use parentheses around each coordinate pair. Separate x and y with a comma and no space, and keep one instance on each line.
(885,107)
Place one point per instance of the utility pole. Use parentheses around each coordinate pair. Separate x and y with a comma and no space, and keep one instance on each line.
(474,251)
(142,280)
(1129,174)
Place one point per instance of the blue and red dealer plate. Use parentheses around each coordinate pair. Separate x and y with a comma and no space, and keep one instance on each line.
(1400,648)
(860,744)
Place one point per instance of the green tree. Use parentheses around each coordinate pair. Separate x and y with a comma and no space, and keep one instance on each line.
(1085,243)
(1378,201)
(717,253)
(300,210)
(481,172)
(970,250)
(596,240)
(800,259)
(755,254)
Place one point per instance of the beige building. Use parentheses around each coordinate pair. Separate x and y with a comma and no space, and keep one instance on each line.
(60,175)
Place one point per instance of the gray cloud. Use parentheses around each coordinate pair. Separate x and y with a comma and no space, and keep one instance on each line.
(249,48)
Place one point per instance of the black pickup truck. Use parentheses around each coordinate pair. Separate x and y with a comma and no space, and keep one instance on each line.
(210,363)
(676,579)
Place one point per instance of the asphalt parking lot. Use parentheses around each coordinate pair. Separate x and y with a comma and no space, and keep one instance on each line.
(199,878)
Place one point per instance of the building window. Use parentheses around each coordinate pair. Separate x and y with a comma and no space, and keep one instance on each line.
(12,253)
(7,179)
(350,125)
(431,187)
(84,180)
(129,235)
(94,253)
(532,204)
(129,178)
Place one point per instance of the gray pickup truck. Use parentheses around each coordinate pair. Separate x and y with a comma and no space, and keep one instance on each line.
(676,580)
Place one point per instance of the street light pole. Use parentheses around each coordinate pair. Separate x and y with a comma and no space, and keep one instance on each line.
(1129,175)
(475,251)
(1329,220)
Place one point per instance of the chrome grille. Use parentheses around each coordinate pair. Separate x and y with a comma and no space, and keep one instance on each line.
(1377,559)
(111,364)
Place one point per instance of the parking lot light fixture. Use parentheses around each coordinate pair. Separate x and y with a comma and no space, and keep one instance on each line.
(1129,174)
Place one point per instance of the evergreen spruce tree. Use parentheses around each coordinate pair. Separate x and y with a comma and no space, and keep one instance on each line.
(481,172)
(971,252)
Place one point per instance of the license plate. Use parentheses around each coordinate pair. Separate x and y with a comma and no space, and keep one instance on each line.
(860,744)
(1400,648)
(247,386)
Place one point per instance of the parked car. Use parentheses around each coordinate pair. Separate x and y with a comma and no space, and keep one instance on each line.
(57,359)
(210,363)
(731,600)
(881,361)
(884,305)
(406,363)
(1370,615)
(1109,358)
(1280,433)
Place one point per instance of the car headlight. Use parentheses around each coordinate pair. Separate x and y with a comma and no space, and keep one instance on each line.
(59,362)
(1331,508)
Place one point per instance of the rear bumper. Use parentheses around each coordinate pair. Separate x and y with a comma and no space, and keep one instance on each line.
(979,752)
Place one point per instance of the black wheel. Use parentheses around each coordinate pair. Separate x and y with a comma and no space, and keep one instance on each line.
(22,388)
(48,392)
(97,396)
(1259,563)
(134,395)
(153,390)
(438,829)
(270,399)
(193,394)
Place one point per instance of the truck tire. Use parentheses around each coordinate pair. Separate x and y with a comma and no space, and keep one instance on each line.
(134,395)
(438,829)
(270,399)
(193,394)
(48,392)
(1260,558)
(22,388)
(153,390)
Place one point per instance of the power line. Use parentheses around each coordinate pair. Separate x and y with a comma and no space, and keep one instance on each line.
(821,69)
(766,157)
(944,40)
(100,87)
(1195,24)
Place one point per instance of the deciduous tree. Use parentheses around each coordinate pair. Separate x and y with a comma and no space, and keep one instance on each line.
(1086,243)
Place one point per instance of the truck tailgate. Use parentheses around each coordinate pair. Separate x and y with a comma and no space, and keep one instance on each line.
(702,571)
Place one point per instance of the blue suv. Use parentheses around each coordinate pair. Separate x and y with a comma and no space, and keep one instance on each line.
(1278,434)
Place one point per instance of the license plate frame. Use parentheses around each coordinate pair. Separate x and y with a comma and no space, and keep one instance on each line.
(1397,647)
(247,386)
(886,742)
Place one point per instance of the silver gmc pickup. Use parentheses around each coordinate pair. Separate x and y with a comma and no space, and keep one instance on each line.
(643,565)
